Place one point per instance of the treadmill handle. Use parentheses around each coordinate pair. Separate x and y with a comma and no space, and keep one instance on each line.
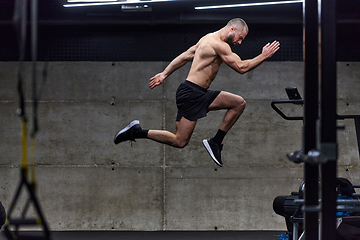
(295,101)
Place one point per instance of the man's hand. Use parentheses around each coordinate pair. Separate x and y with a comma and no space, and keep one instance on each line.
(270,49)
(156,80)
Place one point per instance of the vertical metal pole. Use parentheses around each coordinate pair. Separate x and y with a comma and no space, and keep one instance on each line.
(34,36)
(328,142)
(311,112)
(357,128)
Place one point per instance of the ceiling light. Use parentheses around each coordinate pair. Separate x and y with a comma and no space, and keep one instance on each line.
(247,4)
(136,8)
(102,3)
(88,1)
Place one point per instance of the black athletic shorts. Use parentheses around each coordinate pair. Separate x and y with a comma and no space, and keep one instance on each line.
(193,100)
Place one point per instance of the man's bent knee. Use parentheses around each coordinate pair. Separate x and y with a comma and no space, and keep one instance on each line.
(241,104)
(181,143)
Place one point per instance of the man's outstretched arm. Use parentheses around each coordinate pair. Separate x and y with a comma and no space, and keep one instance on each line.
(243,66)
(175,64)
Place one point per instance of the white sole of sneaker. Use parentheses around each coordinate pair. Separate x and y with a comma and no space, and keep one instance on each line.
(127,127)
(208,148)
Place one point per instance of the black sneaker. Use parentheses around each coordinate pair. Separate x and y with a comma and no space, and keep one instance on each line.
(127,133)
(214,150)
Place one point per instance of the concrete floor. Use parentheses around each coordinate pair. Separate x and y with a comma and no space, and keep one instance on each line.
(160,235)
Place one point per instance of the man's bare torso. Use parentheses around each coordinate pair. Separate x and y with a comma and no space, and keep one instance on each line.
(206,62)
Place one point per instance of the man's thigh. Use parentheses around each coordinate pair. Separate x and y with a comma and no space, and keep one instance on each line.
(184,129)
(225,100)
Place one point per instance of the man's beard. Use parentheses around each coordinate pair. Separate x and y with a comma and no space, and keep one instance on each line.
(230,40)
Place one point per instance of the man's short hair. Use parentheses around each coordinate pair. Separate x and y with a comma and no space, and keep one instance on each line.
(238,23)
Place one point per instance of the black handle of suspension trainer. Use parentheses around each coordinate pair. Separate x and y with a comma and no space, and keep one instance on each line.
(295,101)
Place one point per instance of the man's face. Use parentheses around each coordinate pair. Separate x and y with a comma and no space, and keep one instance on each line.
(236,37)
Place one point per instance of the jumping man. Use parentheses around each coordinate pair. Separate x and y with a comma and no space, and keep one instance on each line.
(193,98)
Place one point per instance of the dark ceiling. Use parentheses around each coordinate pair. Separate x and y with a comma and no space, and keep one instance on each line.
(106,33)
(180,11)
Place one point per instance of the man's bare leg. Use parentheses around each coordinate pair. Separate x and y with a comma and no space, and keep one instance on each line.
(235,105)
(184,130)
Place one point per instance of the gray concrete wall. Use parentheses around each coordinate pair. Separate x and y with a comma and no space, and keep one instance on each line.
(86,182)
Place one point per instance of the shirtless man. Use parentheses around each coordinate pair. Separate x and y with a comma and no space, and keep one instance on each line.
(193,98)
